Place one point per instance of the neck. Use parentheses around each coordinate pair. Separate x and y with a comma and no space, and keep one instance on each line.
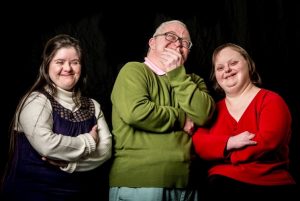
(153,60)
(243,94)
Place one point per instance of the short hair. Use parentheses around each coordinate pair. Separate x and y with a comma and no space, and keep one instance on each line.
(253,74)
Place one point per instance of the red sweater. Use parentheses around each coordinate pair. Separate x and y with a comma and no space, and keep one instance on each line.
(266,163)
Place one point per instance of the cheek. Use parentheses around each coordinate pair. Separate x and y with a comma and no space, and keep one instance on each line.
(52,74)
(218,76)
(77,76)
(185,54)
(54,70)
(77,71)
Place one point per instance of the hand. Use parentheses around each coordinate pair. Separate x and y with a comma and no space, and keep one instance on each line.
(171,59)
(94,134)
(59,163)
(241,140)
(189,126)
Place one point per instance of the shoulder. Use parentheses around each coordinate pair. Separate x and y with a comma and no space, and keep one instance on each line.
(197,78)
(87,102)
(97,106)
(36,101)
(134,70)
(270,95)
(193,75)
(268,98)
(36,97)
(96,103)
(133,66)
(221,103)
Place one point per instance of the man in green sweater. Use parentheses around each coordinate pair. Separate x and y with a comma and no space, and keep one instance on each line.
(155,106)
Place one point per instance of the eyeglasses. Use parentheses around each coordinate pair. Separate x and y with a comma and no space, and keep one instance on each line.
(169,36)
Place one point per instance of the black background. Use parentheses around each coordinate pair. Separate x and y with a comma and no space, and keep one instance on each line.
(268,30)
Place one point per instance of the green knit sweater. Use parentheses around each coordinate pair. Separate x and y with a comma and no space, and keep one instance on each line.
(148,114)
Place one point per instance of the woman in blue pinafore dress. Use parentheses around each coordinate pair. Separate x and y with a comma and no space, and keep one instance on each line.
(59,138)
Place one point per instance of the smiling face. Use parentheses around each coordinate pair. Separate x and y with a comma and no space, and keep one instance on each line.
(65,68)
(231,70)
(160,42)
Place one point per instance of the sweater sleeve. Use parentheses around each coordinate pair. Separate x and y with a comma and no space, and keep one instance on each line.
(36,122)
(143,102)
(208,146)
(103,150)
(273,134)
(192,95)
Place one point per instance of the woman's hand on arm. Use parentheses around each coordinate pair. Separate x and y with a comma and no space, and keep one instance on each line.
(94,133)
(240,141)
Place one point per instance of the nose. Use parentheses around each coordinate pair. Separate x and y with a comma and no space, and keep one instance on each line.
(178,43)
(227,68)
(67,66)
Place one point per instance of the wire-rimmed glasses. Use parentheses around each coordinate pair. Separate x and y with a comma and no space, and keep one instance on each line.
(172,37)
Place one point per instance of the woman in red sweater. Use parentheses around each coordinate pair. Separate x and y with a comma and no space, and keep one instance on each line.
(248,141)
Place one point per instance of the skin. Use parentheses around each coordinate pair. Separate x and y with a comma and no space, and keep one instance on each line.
(65,71)
(232,74)
(65,68)
(169,55)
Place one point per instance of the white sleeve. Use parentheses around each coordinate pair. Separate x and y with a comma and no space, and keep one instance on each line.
(37,123)
(103,150)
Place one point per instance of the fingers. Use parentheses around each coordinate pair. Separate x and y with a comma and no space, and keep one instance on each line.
(241,140)
(190,131)
(94,133)
(95,128)
(171,59)
(250,137)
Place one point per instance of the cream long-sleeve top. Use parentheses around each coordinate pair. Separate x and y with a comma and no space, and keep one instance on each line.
(81,152)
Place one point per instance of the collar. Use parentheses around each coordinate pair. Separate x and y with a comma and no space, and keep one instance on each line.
(154,67)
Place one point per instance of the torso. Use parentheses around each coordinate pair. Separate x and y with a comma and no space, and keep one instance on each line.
(236,106)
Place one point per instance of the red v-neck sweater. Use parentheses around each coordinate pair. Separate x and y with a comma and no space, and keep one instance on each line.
(266,163)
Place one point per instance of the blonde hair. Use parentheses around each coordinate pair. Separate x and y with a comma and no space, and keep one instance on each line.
(253,74)
(162,26)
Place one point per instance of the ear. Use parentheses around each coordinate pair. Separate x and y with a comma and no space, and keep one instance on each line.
(152,43)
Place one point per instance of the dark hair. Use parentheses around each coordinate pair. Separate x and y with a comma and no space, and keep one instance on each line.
(43,80)
(253,74)
(51,47)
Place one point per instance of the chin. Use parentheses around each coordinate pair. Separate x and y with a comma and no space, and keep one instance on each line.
(67,88)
